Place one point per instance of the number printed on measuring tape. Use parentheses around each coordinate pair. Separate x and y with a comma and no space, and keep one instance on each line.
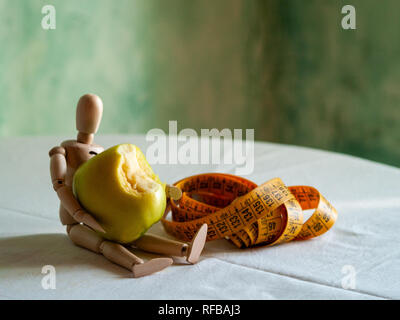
(237,209)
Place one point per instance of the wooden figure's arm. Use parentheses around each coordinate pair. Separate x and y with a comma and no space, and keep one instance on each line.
(58,171)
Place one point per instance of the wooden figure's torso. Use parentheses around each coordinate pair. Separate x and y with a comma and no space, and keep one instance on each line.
(76,154)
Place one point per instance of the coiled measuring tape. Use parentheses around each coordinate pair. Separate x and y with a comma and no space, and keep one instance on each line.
(238,210)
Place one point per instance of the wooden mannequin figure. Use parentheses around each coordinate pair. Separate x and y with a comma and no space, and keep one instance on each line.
(65,160)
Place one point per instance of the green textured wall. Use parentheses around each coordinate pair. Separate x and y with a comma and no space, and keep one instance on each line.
(285,68)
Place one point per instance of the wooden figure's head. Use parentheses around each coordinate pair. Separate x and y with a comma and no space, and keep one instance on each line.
(88,116)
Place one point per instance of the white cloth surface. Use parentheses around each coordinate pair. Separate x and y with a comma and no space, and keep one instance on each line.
(365,236)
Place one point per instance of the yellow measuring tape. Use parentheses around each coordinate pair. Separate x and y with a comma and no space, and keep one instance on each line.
(237,209)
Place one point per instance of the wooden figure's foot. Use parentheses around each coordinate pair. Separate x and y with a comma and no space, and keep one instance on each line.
(197,245)
(151,266)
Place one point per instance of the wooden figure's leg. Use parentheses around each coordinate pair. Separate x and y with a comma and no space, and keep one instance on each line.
(115,252)
(156,244)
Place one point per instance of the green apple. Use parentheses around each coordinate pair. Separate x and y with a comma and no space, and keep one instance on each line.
(119,188)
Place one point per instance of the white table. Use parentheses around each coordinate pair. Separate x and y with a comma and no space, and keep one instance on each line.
(365,238)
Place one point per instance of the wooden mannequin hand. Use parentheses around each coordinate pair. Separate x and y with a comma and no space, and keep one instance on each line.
(71,204)
(173,192)
(87,219)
